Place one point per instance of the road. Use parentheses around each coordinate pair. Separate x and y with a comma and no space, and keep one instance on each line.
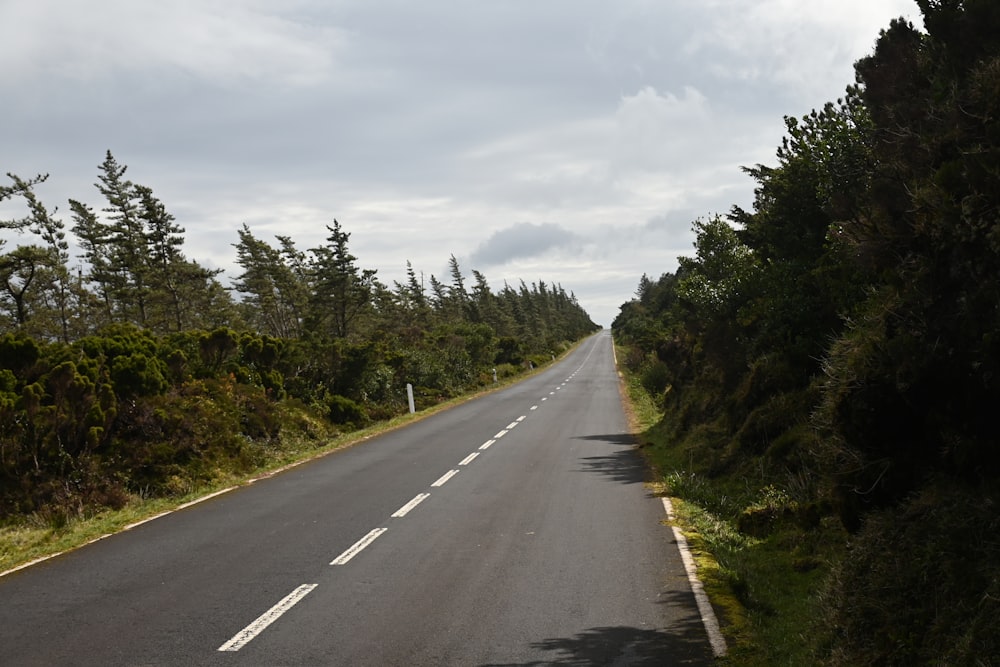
(514,529)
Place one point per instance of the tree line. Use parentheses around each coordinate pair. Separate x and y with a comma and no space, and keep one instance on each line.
(841,338)
(136,371)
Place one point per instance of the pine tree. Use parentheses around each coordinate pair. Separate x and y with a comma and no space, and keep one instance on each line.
(341,290)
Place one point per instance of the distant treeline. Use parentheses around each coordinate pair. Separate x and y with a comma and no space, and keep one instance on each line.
(140,373)
(842,339)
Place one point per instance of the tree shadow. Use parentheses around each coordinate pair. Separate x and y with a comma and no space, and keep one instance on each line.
(623,645)
(624,465)
(612,438)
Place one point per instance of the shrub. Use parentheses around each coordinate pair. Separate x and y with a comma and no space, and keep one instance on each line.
(921,584)
(342,410)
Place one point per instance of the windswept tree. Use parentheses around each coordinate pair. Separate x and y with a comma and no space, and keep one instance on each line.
(95,240)
(341,290)
(36,278)
(274,292)
(135,263)
(182,292)
(129,268)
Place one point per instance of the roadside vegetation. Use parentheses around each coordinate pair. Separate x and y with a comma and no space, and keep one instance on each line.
(137,380)
(825,368)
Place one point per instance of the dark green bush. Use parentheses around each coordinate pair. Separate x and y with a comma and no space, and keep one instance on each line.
(342,410)
(921,584)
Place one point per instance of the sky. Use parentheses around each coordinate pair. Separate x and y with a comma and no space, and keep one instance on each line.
(567,141)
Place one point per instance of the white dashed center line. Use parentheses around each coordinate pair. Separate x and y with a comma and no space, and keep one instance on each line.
(244,636)
(248,633)
(357,547)
(445,477)
(402,511)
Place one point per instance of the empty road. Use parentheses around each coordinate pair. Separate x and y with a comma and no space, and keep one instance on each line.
(514,529)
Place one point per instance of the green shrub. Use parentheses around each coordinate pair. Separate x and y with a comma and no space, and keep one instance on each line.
(920,584)
(655,378)
(138,375)
(342,410)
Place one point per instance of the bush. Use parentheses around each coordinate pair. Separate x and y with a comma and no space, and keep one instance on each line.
(655,378)
(342,410)
(921,584)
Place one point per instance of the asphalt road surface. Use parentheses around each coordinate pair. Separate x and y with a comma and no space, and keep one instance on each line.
(511,530)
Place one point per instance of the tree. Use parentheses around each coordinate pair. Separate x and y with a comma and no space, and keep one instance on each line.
(95,240)
(36,276)
(18,270)
(912,380)
(180,290)
(129,252)
(341,290)
(274,293)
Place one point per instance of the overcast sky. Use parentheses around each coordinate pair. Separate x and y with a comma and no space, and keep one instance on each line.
(569,141)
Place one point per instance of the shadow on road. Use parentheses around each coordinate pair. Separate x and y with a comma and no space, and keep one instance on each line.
(624,646)
(624,465)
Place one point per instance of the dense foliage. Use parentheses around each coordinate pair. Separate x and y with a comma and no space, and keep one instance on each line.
(140,373)
(841,340)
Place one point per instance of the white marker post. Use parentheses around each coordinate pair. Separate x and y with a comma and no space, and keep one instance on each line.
(409,397)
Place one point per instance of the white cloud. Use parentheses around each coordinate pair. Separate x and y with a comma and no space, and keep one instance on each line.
(227,42)
(428,128)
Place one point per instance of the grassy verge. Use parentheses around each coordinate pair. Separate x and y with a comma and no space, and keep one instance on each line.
(763,562)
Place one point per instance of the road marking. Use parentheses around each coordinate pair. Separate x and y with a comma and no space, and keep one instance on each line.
(404,510)
(244,636)
(521,418)
(357,547)
(500,434)
(534,407)
(708,617)
(141,522)
(445,477)
(204,498)
(468,459)
(511,425)
(486,445)
(545,398)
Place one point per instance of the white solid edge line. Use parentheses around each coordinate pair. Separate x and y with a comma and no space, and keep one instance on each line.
(445,477)
(468,459)
(244,636)
(405,509)
(204,498)
(356,548)
(708,617)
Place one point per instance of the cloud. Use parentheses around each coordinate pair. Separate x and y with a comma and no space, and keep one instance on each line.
(426,127)
(520,241)
(228,42)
